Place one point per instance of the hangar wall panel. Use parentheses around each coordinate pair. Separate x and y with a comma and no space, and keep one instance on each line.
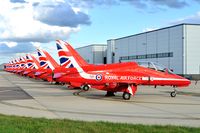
(192,45)
(132,46)
(163,45)
(152,44)
(121,49)
(93,54)
(142,45)
(99,52)
(176,46)
(110,51)
(86,53)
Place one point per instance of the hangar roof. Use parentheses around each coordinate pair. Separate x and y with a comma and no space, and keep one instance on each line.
(155,30)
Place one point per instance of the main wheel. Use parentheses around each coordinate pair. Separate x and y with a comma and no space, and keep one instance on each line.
(173,94)
(126,96)
(86,87)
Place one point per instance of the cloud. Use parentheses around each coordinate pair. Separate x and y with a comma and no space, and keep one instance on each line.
(19,48)
(198,1)
(11,50)
(61,14)
(137,3)
(18,24)
(92,3)
(10,44)
(170,3)
(36,44)
(154,5)
(142,4)
(189,19)
(17,1)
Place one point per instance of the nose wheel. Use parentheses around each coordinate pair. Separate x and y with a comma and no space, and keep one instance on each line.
(173,93)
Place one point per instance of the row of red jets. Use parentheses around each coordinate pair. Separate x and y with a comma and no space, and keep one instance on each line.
(76,72)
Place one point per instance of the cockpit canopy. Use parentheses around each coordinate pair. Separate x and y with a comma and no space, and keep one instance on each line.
(155,66)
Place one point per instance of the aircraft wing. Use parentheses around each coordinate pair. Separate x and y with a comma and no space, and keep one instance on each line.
(39,73)
(26,72)
(57,75)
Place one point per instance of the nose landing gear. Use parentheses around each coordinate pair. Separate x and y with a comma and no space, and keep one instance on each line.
(173,93)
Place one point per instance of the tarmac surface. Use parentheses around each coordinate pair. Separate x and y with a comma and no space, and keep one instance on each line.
(23,96)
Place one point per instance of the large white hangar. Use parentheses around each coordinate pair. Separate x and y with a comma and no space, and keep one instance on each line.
(177,47)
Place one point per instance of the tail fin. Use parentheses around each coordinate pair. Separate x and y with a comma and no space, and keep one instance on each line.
(25,60)
(32,62)
(43,60)
(68,56)
(46,61)
(51,60)
(16,63)
(22,62)
(13,64)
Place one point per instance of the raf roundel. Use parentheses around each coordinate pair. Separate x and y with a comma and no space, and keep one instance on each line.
(98,77)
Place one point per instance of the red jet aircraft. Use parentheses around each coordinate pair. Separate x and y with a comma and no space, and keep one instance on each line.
(16,66)
(47,65)
(119,77)
(22,66)
(9,66)
(32,65)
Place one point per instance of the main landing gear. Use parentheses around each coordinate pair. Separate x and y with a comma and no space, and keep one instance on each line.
(126,96)
(85,87)
(130,90)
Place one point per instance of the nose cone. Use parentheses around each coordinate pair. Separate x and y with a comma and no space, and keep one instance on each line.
(186,82)
(183,82)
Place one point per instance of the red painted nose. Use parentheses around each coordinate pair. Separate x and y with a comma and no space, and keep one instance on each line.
(187,82)
(184,82)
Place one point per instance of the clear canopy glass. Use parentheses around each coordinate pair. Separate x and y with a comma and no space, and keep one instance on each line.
(154,66)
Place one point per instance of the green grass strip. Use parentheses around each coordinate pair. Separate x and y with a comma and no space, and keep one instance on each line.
(15,124)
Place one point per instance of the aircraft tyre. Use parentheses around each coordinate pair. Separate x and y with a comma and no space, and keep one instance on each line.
(173,94)
(126,96)
(86,87)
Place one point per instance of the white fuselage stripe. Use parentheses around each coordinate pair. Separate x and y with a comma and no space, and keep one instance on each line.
(82,73)
(163,79)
